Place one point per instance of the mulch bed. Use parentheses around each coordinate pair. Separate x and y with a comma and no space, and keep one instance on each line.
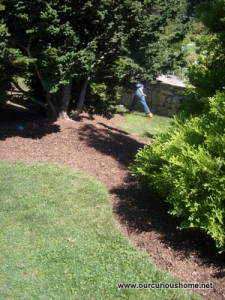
(99,147)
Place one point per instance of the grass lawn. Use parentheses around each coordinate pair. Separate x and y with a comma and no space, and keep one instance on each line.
(59,240)
(191,52)
(139,124)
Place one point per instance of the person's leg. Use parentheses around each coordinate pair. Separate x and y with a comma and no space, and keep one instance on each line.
(134,103)
(146,108)
(145,105)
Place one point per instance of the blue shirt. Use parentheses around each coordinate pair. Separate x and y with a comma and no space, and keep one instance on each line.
(139,92)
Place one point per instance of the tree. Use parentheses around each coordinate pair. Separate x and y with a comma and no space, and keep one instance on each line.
(59,47)
(191,4)
(207,74)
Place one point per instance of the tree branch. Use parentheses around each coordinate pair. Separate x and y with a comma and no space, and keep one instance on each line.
(27,94)
(48,95)
(27,49)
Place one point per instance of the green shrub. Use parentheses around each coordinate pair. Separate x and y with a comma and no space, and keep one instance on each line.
(187,166)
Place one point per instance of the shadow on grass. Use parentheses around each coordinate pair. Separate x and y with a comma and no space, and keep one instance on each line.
(150,135)
(145,211)
(25,125)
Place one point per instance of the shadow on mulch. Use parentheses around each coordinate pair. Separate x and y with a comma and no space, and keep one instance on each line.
(110,141)
(25,125)
(113,129)
(145,211)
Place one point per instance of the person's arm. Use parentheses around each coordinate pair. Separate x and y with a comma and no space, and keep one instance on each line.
(142,92)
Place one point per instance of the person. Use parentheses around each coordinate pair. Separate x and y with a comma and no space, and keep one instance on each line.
(140,97)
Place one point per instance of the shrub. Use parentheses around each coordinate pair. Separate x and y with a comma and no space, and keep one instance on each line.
(187,166)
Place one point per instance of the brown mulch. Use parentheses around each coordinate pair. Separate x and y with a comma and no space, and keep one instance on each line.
(100,148)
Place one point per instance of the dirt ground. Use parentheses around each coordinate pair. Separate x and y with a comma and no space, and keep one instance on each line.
(99,147)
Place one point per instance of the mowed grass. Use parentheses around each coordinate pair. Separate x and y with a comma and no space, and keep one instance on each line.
(59,240)
(139,124)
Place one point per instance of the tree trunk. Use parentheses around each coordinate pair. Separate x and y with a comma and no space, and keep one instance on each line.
(65,100)
(81,98)
(51,112)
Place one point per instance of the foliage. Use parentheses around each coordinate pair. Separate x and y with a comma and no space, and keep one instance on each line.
(191,4)
(207,73)
(187,166)
(59,240)
(54,43)
(212,15)
(101,99)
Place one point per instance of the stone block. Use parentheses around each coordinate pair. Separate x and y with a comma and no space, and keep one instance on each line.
(174,103)
(171,113)
(178,98)
(162,111)
(167,92)
(149,99)
(154,98)
(168,105)
(153,108)
(161,99)
(168,100)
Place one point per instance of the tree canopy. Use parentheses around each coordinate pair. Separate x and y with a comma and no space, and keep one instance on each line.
(60,48)
(207,74)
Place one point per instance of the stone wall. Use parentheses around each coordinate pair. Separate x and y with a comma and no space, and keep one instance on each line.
(163,98)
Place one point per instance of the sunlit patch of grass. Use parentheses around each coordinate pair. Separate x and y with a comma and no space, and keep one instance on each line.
(59,240)
(139,124)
